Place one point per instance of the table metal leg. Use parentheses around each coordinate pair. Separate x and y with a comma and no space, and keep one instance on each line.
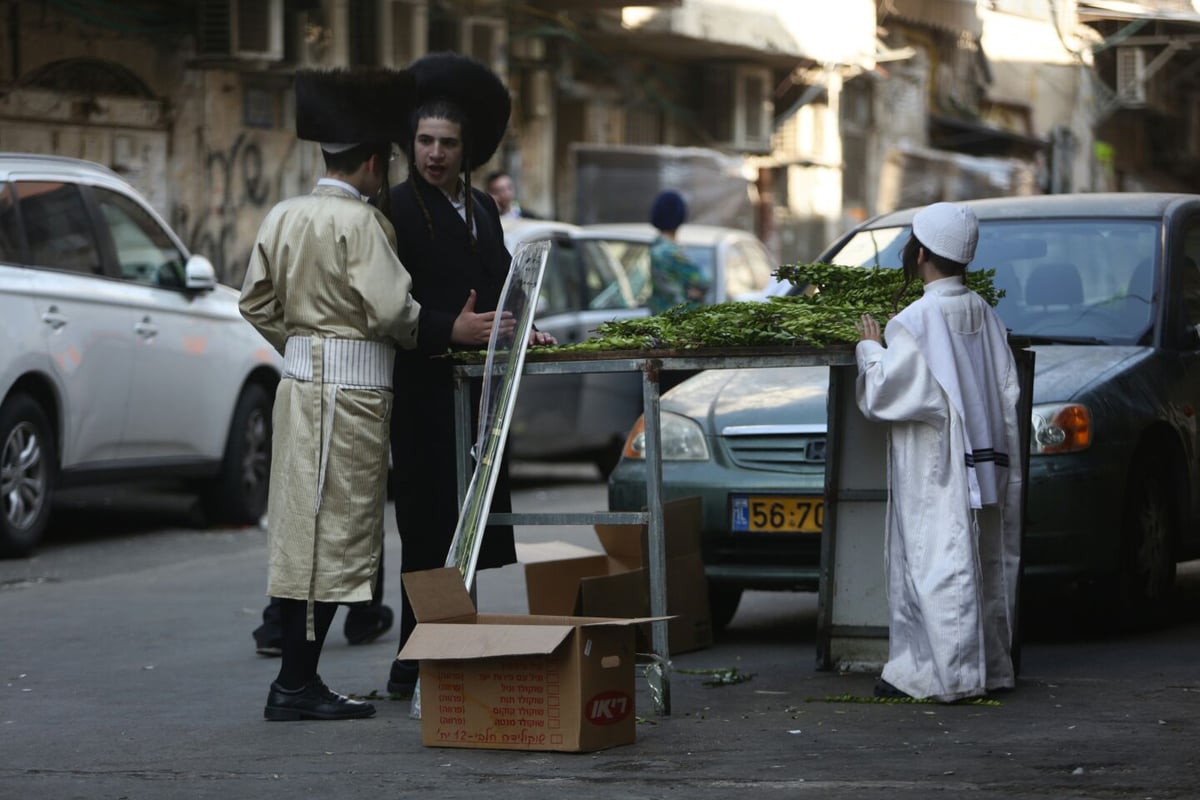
(659,673)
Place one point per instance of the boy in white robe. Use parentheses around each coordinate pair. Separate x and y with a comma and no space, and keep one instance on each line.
(947,383)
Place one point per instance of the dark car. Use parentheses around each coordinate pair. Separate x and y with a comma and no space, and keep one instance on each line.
(1105,289)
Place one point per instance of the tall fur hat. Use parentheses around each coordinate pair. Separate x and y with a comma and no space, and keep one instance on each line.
(355,106)
(476,90)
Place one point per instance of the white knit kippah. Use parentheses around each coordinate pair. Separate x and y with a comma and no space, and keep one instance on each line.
(948,230)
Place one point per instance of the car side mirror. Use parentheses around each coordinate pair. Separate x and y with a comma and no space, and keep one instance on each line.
(199,274)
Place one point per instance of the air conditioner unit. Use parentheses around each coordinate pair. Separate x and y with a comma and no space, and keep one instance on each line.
(1131,76)
(240,29)
(738,106)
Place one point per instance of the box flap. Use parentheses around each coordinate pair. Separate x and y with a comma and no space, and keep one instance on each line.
(623,543)
(555,619)
(552,587)
(628,544)
(536,552)
(624,622)
(625,594)
(438,641)
(683,518)
(438,594)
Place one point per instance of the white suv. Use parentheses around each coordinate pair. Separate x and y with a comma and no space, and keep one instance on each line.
(120,355)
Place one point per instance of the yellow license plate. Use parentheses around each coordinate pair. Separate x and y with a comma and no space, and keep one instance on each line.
(777,514)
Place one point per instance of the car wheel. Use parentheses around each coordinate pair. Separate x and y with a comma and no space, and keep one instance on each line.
(238,495)
(1147,571)
(722,604)
(27,470)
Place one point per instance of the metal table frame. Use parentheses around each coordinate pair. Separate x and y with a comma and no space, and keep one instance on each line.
(832,634)
(650,365)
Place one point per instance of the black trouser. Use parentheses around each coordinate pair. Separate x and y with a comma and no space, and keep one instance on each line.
(272,620)
(300,657)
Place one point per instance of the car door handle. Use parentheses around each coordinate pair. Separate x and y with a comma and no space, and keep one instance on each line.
(146,329)
(54,319)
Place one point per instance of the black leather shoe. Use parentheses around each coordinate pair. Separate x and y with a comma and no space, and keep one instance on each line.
(268,640)
(885,689)
(314,701)
(365,625)
(271,649)
(403,678)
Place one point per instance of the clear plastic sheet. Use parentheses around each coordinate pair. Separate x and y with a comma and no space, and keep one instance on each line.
(501,379)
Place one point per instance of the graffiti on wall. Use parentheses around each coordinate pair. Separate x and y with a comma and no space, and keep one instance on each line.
(242,181)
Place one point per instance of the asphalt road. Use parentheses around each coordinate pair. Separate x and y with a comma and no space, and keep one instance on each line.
(127,671)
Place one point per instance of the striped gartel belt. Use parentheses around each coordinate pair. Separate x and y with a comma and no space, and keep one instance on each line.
(349,363)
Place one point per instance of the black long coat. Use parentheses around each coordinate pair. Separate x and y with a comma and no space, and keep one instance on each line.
(444,268)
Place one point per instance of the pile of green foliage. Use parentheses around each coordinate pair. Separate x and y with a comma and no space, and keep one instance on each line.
(834,299)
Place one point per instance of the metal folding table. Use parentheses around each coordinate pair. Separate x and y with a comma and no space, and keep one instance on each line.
(852,605)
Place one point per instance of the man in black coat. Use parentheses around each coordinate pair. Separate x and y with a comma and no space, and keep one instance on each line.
(450,240)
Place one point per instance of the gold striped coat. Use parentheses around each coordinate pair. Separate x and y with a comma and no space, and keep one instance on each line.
(324,272)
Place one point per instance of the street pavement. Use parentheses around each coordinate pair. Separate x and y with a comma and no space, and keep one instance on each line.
(127,671)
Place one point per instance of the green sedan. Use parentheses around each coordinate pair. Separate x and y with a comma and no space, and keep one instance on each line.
(1106,291)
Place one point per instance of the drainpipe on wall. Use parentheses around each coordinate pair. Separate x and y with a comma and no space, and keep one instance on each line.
(765,209)
(14,36)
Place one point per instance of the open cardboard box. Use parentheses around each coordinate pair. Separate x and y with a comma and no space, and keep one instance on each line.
(516,681)
(562,578)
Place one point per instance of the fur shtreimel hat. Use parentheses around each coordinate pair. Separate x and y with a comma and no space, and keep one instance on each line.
(341,108)
(669,210)
(476,90)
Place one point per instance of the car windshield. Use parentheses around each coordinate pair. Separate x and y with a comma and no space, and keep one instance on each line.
(634,258)
(703,256)
(1073,280)
(608,285)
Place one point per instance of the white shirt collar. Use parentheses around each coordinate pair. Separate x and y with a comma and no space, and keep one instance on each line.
(949,285)
(340,184)
(459,198)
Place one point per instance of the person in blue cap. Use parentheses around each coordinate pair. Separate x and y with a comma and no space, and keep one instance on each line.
(674,278)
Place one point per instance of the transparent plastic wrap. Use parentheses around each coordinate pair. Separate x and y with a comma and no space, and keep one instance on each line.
(501,379)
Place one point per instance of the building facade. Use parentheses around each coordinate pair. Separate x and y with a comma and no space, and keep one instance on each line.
(816,114)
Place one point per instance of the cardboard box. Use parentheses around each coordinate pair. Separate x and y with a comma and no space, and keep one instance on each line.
(562,578)
(517,682)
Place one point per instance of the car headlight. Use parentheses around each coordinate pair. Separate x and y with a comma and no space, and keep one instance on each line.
(682,439)
(1060,428)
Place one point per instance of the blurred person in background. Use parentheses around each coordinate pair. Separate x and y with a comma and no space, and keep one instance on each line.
(675,280)
(499,185)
